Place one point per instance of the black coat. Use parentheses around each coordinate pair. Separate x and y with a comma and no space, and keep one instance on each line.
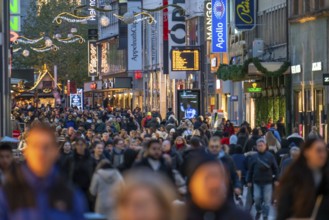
(227,212)
(164,168)
(289,195)
(263,168)
(80,170)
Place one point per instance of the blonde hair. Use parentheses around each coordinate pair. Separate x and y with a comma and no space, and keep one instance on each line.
(160,187)
(270,139)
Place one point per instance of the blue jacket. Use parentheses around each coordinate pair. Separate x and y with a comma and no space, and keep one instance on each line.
(42,211)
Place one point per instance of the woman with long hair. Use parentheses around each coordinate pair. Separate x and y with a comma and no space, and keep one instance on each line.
(145,195)
(180,144)
(305,183)
(272,143)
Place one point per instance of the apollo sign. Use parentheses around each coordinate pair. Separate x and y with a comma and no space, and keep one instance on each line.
(219,26)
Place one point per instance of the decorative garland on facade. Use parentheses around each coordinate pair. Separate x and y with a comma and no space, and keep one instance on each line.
(239,72)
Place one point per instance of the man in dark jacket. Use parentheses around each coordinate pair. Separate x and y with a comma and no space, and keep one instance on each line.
(155,161)
(35,190)
(79,169)
(262,172)
(215,149)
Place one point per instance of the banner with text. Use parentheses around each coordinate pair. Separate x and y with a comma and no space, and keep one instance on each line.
(177,33)
(219,26)
(245,14)
(134,40)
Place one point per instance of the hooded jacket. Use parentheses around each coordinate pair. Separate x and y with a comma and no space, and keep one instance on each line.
(101,185)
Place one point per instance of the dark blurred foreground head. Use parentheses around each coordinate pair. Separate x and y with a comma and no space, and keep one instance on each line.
(208,185)
(145,195)
(304,181)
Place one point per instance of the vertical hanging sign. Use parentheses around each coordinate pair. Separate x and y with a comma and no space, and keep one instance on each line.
(165,39)
(134,41)
(245,14)
(92,59)
(208,20)
(219,26)
(15,15)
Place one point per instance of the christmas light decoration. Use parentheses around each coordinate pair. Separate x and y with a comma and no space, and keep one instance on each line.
(71,39)
(45,49)
(130,17)
(25,40)
(104,21)
(66,16)
(15,50)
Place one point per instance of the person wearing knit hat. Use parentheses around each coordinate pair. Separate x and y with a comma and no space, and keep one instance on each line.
(207,188)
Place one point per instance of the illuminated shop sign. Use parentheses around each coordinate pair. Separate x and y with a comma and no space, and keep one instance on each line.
(245,14)
(92,59)
(15,17)
(185,60)
(219,26)
(253,87)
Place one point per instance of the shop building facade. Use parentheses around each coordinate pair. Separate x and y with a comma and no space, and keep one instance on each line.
(308,51)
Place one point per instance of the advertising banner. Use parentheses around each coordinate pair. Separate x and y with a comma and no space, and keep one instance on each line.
(92,58)
(134,40)
(219,26)
(76,100)
(188,104)
(177,34)
(245,14)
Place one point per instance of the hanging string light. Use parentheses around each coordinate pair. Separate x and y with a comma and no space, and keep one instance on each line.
(45,48)
(130,17)
(71,39)
(25,40)
(66,16)
(15,50)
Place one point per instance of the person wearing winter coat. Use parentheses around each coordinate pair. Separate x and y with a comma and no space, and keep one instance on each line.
(79,168)
(102,183)
(304,185)
(263,171)
(155,161)
(176,158)
(210,201)
(35,190)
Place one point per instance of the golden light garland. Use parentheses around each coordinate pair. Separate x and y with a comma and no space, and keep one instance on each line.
(25,40)
(15,50)
(76,19)
(148,17)
(73,39)
(45,48)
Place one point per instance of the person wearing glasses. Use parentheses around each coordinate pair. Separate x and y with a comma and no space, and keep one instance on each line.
(303,190)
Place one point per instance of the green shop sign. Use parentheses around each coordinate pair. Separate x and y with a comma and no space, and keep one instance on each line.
(15,17)
(253,87)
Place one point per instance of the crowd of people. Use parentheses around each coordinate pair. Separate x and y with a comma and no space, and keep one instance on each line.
(126,165)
